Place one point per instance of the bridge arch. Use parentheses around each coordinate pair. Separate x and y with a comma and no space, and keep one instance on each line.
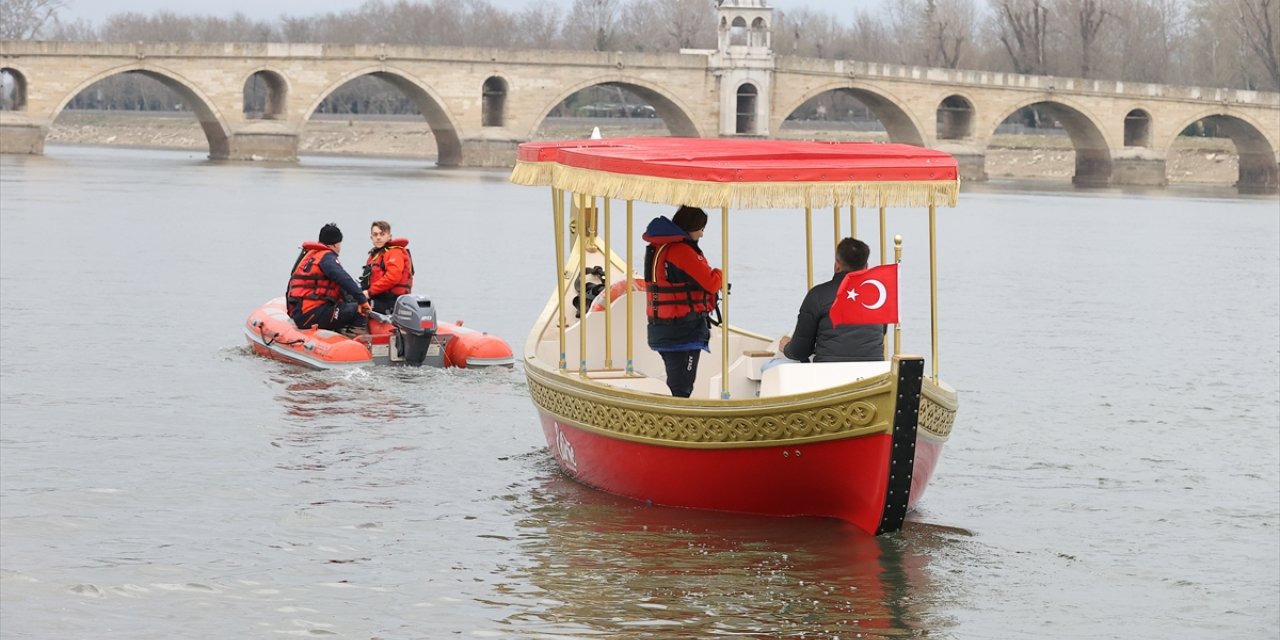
(671,109)
(955,117)
(13,90)
(215,128)
(493,102)
(899,122)
(275,94)
(1093,151)
(1137,128)
(1258,172)
(429,104)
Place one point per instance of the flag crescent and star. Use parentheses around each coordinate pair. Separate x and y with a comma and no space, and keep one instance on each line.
(854,303)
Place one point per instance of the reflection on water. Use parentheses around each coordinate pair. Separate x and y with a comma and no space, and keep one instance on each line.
(607,566)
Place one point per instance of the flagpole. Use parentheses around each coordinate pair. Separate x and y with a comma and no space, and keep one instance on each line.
(557,218)
(608,284)
(933,283)
(630,278)
(884,259)
(897,327)
(853,220)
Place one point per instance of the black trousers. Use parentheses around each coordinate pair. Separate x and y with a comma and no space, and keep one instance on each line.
(328,316)
(682,369)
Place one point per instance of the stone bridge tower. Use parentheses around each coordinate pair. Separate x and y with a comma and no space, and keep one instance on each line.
(743,64)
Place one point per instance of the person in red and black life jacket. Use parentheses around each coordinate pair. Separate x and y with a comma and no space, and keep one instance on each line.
(321,293)
(815,336)
(388,272)
(680,289)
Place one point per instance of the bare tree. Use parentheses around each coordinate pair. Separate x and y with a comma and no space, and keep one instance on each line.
(539,25)
(687,23)
(1085,18)
(25,19)
(1257,24)
(950,24)
(591,24)
(1023,28)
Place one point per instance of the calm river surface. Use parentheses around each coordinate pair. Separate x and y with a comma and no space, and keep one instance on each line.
(1114,470)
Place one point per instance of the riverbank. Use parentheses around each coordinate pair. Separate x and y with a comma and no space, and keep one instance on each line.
(1190,161)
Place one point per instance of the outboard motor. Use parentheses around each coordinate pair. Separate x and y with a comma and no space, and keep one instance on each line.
(414,318)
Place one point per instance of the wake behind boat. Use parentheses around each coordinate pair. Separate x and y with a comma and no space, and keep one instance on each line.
(410,335)
(852,440)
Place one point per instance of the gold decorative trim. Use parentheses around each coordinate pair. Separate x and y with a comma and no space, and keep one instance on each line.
(849,414)
(532,174)
(739,195)
(938,405)
(935,418)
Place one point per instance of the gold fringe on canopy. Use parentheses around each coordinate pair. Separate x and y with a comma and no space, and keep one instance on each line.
(738,195)
(532,174)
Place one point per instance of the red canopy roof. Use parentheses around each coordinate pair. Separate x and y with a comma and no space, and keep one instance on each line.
(738,172)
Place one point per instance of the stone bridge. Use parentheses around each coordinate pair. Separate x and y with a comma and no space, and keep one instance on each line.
(481,103)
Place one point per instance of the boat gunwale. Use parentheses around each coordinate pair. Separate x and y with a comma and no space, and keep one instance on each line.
(852,400)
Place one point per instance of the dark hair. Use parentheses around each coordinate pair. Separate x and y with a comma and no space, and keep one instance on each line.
(382,226)
(852,254)
(690,218)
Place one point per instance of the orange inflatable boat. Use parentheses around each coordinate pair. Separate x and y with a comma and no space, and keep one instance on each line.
(409,336)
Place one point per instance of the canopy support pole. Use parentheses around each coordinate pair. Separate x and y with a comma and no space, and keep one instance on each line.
(853,220)
(557,210)
(582,284)
(835,218)
(630,344)
(608,284)
(724,298)
(808,244)
(933,282)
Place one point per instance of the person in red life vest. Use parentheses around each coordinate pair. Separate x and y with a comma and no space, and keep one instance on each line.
(680,290)
(815,336)
(319,287)
(388,272)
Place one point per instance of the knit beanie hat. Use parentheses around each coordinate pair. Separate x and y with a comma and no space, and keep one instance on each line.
(330,234)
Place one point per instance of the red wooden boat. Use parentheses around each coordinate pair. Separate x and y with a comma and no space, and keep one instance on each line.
(857,441)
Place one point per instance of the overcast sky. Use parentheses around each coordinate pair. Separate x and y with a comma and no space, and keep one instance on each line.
(96,10)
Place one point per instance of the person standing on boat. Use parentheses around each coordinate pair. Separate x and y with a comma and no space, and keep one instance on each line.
(681,291)
(816,337)
(319,287)
(388,272)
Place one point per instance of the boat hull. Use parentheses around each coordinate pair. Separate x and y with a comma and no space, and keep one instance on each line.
(866,461)
(270,332)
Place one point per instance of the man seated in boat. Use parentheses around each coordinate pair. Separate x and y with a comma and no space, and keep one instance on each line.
(815,336)
(321,293)
(388,272)
(680,290)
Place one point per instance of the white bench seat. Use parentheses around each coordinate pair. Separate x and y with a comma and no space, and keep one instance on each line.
(802,377)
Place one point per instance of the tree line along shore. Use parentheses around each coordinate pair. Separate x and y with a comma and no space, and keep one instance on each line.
(1191,160)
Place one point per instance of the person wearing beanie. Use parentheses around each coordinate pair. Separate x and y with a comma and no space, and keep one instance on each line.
(680,292)
(321,293)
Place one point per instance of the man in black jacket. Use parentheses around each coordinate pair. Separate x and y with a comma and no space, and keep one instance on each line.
(814,336)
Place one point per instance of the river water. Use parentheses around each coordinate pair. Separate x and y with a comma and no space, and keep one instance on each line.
(1114,470)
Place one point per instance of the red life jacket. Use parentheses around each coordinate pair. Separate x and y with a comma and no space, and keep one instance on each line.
(377,267)
(672,293)
(309,285)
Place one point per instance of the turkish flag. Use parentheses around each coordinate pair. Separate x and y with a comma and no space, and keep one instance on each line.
(869,296)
